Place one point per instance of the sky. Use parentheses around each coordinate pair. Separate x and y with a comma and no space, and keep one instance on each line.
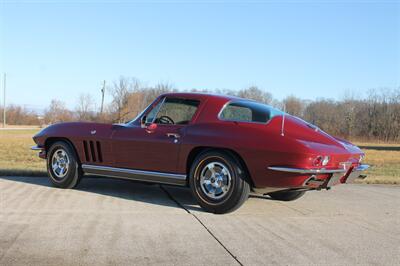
(310,49)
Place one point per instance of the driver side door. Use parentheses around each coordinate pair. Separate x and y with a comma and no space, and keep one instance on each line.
(154,145)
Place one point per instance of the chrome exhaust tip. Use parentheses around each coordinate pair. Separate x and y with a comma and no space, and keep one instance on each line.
(313,182)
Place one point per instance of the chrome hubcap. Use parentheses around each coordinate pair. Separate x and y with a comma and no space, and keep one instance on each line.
(215,180)
(60,163)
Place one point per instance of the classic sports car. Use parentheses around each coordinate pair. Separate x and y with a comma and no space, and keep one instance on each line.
(221,147)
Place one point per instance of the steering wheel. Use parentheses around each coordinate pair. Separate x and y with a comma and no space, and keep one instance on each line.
(165,120)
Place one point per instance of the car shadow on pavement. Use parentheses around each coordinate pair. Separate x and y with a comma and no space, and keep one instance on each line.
(163,195)
(259,196)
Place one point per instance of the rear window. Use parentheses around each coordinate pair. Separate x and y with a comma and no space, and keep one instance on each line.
(248,111)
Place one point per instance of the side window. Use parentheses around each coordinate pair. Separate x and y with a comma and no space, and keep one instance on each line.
(248,111)
(236,113)
(177,111)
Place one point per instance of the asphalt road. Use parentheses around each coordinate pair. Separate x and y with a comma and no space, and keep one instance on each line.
(108,221)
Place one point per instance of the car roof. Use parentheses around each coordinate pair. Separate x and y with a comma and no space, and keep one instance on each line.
(199,95)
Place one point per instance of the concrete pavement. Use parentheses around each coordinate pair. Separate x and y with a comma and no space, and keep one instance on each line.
(110,222)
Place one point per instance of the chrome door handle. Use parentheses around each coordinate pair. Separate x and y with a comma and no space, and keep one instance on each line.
(173,135)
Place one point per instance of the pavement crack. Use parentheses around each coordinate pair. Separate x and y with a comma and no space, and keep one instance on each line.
(201,223)
(292,208)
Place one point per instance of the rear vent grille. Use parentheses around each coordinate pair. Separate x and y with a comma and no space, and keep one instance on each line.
(92,150)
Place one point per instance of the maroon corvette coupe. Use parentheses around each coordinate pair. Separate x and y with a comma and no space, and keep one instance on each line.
(221,147)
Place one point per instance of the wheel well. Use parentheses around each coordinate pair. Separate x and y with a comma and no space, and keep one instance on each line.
(52,140)
(196,151)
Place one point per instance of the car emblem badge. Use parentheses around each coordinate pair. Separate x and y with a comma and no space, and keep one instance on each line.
(93,132)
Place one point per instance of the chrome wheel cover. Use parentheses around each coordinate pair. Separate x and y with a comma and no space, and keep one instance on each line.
(215,180)
(60,163)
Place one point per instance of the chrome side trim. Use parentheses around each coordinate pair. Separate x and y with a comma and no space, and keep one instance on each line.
(132,174)
(306,171)
(36,148)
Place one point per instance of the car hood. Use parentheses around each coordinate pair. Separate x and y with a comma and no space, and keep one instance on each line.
(74,130)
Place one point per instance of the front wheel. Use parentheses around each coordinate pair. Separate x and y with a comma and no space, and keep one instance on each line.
(286,195)
(217,181)
(62,165)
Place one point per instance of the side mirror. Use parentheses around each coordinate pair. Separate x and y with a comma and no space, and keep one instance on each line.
(151,127)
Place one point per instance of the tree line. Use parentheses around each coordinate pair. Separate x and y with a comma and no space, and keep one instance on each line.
(375,117)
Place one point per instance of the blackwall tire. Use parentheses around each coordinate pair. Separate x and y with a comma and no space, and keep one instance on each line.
(218,182)
(63,166)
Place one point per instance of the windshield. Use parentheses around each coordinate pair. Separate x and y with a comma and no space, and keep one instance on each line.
(139,115)
(248,111)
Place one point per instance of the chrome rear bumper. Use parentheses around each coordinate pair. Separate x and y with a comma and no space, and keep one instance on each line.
(306,171)
(338,176)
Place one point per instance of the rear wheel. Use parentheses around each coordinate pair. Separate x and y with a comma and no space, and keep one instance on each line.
(62,165)
(217,181)
(286,195)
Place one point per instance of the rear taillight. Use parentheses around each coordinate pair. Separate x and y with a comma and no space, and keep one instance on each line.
(321,160)
(325,161)
(318,160)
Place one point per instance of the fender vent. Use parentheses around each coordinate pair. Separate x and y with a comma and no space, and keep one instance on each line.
(99,154)
(85,147)
(92,150)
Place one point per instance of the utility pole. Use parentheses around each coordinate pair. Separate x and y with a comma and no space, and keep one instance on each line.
(4,106)
(103,90)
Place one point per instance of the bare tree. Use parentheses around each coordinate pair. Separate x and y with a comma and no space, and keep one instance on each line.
(57,112)
(18,115)
(294,106)
(120,93)
(199,90)
(254,93)
(376,117)
(226,92)
(85,108)
(151,93)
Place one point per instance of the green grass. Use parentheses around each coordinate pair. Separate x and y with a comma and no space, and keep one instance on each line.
(16,158)
(385,166)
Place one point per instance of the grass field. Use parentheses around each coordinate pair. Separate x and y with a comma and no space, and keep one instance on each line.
(16,158)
